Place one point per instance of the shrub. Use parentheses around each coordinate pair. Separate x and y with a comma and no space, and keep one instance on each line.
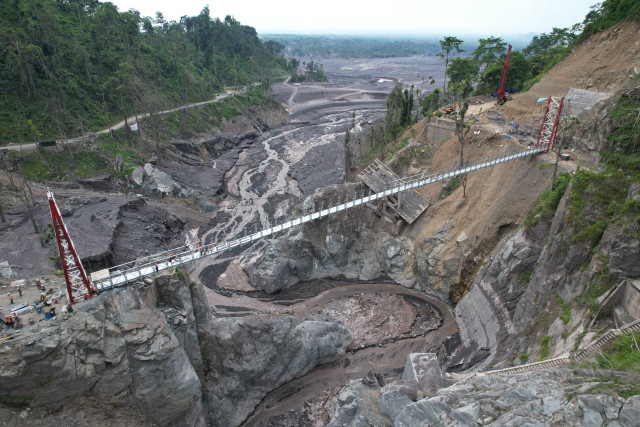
(544,347)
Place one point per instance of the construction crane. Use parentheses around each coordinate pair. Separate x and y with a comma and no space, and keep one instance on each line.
(501,92)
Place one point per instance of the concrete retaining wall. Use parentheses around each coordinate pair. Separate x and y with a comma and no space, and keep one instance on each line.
(440,130)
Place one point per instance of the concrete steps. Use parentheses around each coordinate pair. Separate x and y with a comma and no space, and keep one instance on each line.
(590,350)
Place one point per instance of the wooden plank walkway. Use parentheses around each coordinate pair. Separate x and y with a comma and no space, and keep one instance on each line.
(408,204)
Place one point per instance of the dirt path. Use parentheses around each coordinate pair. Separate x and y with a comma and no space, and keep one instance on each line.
(120,125)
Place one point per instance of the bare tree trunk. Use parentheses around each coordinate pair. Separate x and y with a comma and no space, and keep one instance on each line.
(461,133)
(29,202)
(2,217)
(347,155)
(158,148)
(555,170)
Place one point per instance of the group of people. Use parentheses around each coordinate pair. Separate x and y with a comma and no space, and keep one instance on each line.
(203,249)
(12,319)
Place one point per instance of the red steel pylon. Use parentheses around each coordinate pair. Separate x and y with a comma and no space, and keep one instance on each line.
(549,127)
(77,283)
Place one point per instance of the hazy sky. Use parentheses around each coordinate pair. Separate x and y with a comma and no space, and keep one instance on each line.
(453,17)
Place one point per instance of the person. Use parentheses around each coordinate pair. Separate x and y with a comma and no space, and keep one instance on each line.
(16,320)
(20,290)
(9,319)
(173,257)
(43,296)
(10,298)
(156,267)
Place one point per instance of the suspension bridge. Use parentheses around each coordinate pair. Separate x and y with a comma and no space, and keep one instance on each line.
(79,286)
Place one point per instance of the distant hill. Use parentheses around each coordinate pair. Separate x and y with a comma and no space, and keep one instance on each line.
(373,46)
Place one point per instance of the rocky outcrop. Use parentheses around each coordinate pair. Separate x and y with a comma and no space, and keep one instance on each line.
(357,244)
(247,358)
(115,347)
(155,183)
(157,350)
(540,398)
(509,307)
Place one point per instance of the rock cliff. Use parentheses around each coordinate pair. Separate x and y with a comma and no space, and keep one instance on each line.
(520,293)
(540,398)
(156,350)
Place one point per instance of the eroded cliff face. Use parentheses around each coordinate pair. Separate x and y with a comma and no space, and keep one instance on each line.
(355,244)
(157,350)
(115,347)
(514,300)
(438,254)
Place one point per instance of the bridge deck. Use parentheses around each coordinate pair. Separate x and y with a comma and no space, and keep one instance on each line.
(379,177)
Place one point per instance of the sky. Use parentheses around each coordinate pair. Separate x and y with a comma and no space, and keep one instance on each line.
(408,17)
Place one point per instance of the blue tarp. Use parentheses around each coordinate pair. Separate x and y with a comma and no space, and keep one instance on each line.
(542,99)
(506,136)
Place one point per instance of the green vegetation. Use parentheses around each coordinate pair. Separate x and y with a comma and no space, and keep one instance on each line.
(622,387)
(608,13)
(452,184)
(90,159)
(546,50)
(597,199)
(312,72)
(355,47)
(47,235)
(524,357)
(566,310)
(547,203)
(382,137)
(72,66)
(622,149)
(621,354)
(525,276)
(15,400)
(594,290)
(544,347)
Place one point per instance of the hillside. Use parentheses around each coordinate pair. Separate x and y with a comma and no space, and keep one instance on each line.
(75,66)
(604,62)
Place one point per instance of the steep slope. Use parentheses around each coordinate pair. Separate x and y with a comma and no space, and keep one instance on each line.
(604,62)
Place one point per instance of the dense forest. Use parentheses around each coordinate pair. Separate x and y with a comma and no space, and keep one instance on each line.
(369,47)
(72,66)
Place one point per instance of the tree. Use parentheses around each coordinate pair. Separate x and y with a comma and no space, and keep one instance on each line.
(154,102)
(2,218)
(461,90)
(26,196)
(489,50)
(519,72)
(447,45)
(274,47)
(461,70)
(347,153)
